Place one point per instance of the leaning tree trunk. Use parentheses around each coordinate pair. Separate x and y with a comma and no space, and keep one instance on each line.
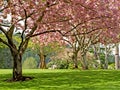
(84,62)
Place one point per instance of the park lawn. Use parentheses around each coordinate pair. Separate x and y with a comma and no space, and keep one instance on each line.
(63,80)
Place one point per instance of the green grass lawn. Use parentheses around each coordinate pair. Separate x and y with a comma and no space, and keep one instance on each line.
(63,80)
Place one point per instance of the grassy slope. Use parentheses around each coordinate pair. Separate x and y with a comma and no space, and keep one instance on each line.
(63,80)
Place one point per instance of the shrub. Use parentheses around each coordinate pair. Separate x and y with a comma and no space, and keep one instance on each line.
(111,66)
(60,64)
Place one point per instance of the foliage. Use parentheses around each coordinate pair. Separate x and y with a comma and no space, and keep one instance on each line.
(48,50)
(94,64)
(111,66)
(30,53)
(30,63)
(71,65)
(63,80)
(99,52)
(59,64)
(5,57)
(30,18)
(1,44)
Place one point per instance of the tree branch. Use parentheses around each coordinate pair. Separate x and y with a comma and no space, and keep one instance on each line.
(75,26)
(3,9)
(3,30)
(10,31)
(4,42)
(68,42)
(49,31)
(22,35)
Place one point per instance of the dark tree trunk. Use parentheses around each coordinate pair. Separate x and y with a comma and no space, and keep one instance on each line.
(17,68)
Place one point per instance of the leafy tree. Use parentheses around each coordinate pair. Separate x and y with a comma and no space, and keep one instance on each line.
(103,53)
(45,50)
(93,26)
(30,18)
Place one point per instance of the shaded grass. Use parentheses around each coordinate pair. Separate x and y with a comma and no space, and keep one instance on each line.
(63,80)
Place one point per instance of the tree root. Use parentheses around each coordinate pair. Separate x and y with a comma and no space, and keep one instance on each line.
(23,78)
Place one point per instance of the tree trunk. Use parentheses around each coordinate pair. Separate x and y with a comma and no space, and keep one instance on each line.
(96,49)
(17,67)
(42,64)
(74,58)
(106,58)
(117,56)
(84,62)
